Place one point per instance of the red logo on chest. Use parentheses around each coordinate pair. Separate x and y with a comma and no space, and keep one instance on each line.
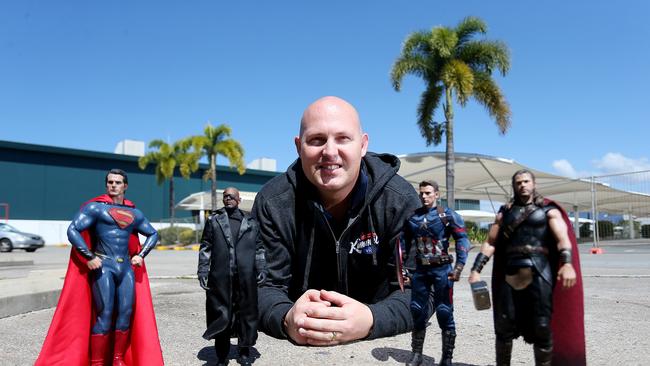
(122,217)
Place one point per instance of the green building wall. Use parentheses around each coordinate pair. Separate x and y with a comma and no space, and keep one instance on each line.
(50,183)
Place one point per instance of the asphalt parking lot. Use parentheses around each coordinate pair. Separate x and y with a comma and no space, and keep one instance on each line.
(617,304)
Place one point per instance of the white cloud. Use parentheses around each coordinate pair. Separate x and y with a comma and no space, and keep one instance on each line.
(610,163)
(618,163)
(564,168)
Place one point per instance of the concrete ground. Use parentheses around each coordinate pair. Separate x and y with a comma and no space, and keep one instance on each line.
(617,304)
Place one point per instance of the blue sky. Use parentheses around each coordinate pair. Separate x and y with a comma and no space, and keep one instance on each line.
(88,74)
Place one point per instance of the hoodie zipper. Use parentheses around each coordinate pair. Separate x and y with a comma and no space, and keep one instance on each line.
(337,243)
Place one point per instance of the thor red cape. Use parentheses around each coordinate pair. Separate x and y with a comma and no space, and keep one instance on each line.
(568,311)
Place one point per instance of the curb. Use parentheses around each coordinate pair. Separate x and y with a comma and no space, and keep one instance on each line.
(39,300)
(194,247)
(20,304)
(12,263)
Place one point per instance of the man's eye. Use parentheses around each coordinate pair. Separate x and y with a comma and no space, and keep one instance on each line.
(317,141)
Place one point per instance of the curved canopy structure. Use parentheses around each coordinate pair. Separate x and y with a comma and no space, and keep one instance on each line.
(483,177)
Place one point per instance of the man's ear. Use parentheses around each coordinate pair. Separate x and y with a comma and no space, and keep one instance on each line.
(364,144)
(125,186)
(296,140)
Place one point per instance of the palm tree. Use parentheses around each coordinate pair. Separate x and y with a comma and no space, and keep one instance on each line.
(167,157)
(216,141)
(453,63)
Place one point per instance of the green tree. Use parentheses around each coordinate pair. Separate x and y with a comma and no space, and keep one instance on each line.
(167,159)
(217,141)
(585,230)
(605,229)
(453,63)
(645,231)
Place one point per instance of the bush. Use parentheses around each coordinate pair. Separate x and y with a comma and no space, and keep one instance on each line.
(585,231)
(174,235)
(605,229)
(190,236)
(645,231)
(476,234)
(470,225)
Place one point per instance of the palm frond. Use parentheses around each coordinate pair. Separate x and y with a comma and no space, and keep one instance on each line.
(468,27)
(429,102)
(188,163)
(412,64)
(167,157)
(207,174)
(217,133)
(416,43)
(485,56)
(216,141)
(458,78)
(167,167)
(184,144)
(234,152)
(145,160)
(157,143)
(487,93)
(198,142)
(443,41)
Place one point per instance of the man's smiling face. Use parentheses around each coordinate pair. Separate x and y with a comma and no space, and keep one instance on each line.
(331,145)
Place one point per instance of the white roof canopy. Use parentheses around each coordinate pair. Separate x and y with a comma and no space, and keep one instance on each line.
(476,216)
(484,177)
(203,201)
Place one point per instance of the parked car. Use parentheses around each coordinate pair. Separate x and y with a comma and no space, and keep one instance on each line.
(12,238)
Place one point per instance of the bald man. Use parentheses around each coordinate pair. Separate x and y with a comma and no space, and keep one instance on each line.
(329,227)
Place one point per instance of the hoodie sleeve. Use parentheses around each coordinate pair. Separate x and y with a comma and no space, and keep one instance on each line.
(392,314)
(273,298)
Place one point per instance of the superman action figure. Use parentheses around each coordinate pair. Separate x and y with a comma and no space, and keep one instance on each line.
(107,265)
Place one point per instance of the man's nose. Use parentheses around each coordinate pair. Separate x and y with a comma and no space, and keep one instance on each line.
(330,148)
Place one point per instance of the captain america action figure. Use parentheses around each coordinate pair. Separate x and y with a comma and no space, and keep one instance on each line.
(429,229)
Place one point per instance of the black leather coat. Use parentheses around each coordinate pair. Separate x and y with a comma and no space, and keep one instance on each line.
(218,254)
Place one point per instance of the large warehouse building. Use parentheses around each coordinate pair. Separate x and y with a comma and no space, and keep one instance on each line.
(42,187)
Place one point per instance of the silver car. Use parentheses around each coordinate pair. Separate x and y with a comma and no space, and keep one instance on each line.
(12,238)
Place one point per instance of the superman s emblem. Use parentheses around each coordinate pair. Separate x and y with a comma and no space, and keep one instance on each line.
(122,217)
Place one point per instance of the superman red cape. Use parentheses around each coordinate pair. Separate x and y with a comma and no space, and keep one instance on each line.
(68,339)
(567,320)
